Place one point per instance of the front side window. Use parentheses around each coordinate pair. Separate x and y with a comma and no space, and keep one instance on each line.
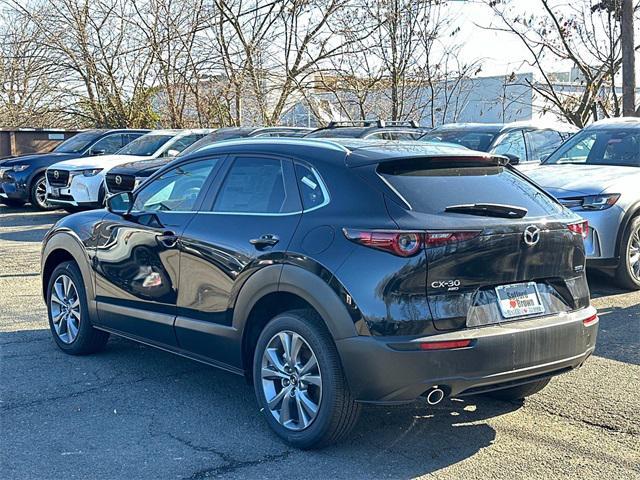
(177,189)
(600,147)
(511,143)
(542,142)
(107,145)
(258,185)
(146,145)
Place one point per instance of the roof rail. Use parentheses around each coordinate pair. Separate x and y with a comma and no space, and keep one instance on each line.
(371,123)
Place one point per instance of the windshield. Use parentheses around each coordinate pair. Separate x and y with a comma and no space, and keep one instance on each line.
(217,136)
(473,139)
(77,143)
(145,146)
(600,147)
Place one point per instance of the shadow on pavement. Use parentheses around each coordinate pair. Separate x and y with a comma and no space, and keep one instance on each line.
(619,334)
(100,415)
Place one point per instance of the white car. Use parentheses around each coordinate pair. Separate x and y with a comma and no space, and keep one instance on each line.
(79,183)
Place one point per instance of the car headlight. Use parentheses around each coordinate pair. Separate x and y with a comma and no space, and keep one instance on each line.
(91,173)
(600,202)
(19,168)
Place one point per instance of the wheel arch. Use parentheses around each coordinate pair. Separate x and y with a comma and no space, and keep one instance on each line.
(61,247)
(632,212)
(279,288)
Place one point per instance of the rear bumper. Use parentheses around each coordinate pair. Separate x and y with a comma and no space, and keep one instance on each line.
(501,355)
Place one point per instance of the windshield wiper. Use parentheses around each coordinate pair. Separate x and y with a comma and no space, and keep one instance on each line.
(488,210)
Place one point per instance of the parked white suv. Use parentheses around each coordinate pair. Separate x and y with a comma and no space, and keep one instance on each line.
(79,183)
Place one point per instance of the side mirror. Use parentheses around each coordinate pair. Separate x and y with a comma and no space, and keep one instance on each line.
(513,159)
(120,203)
(98,152)
(173,153)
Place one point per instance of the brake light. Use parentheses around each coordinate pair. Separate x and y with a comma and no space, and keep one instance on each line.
(405,243)
(581,228)
(437,239)
(445,345)
(587,322)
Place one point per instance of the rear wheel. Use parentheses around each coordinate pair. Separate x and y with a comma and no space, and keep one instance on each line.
(38,193)
(69,314)
(299,382)
(628,272)
(521,391)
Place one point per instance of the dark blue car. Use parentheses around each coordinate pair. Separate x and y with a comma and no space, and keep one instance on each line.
(22,178)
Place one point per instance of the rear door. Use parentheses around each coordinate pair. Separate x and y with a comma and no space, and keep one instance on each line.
(137,261)
(470,254)
(247,223)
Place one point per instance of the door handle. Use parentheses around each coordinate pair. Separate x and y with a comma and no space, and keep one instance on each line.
(168,239)
(264,241)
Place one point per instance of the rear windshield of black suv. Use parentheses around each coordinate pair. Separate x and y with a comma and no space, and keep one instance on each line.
(430,187)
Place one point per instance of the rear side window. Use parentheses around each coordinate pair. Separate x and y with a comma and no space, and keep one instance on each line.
(430,186)
(312,190)
(257,185)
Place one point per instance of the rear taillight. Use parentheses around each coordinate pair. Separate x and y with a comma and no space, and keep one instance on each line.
(587,322)
(581,228)
(437,239)
(405,243)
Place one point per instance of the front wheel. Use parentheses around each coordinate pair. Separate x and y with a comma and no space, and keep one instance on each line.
(628,273)
(299,382)
(69,313)
(38,193)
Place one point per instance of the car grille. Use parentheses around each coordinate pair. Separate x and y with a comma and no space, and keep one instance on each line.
(61,179)
(120,183)
(571,202)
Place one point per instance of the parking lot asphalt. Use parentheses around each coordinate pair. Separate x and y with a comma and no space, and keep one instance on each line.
(134,412)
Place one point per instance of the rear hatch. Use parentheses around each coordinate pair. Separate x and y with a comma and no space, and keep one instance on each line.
(497,247)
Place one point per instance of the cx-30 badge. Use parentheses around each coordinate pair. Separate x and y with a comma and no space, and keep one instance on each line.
(118,179)
(531,235)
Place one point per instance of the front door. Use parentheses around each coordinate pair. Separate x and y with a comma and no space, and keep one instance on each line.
(248,224)
(137,260)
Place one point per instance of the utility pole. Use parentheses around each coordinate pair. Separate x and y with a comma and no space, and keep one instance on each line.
(628,60)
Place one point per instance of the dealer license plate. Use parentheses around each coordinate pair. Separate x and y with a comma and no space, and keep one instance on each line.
(519,300)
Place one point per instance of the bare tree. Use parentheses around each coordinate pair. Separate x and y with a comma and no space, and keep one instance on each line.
(582,34)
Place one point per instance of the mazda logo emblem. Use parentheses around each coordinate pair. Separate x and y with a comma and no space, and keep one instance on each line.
(56,174)
(118,179)
(531,235)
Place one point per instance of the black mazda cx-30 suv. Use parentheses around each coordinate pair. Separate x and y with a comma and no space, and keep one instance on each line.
(332,274)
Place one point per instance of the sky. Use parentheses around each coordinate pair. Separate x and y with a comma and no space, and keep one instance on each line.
(502,52)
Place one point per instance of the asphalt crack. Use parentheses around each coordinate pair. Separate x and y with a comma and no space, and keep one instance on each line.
(230,465)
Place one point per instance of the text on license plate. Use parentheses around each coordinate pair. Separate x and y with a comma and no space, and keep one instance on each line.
(519,299)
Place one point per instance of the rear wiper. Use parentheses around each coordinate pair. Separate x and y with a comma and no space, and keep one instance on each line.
(489,210)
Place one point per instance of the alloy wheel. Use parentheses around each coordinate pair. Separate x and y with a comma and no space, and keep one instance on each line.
(291,380)
(41,194)
(65,309)
(634,254)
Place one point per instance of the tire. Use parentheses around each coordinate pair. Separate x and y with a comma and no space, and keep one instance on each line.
(10,202)
(521,391)
(36,192)
(86,339)
(337,412)
(628,272)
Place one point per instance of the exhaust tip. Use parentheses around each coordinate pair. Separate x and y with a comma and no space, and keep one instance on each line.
(435,395)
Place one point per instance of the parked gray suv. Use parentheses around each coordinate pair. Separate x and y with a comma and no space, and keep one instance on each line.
(596,173)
